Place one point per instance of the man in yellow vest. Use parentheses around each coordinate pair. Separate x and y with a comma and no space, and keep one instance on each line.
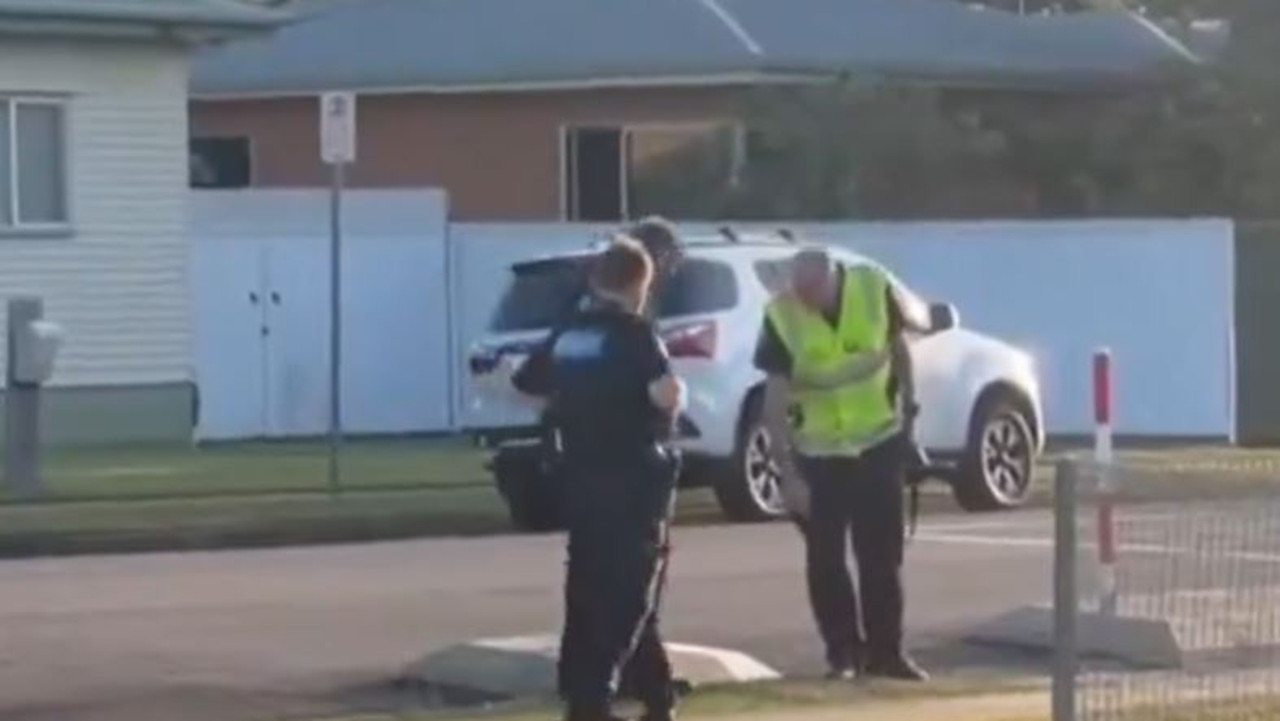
(839,406)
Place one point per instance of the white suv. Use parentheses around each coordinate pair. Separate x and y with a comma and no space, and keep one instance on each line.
(980,414)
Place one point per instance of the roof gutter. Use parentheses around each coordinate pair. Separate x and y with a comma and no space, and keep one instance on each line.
(188,26)
(531,86)
(160,32)
(780,75)
(248,18)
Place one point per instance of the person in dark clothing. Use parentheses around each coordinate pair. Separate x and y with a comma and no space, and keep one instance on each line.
(607,380)
(661,242)
(854,493)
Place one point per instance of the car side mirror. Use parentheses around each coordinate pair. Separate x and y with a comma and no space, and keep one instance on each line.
(943,316)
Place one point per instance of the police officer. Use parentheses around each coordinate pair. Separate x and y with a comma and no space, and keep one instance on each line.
(839,405)
(662,243)
(608,381)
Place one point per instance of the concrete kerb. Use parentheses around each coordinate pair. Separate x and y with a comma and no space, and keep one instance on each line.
(525,666)
(1137,642)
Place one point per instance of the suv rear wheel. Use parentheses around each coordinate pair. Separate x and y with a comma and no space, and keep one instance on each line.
(530,493)
(748,487)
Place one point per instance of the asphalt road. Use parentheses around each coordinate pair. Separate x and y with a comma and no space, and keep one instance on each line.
(250,635)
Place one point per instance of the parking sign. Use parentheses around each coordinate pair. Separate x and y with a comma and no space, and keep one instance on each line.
(338,128)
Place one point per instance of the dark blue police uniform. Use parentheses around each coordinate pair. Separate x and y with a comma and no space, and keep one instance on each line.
(619,482)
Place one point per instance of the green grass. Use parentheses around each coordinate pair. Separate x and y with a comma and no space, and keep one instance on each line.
(782,698)
(245,520)
(145,472)
(266,520)
(958,699)
(169,471)
(179,497)
(261,494)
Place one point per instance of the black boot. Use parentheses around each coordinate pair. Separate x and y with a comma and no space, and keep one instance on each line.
(896,666)
(662,706)
(848,665)
(659,713)
(842,672)
(590,713)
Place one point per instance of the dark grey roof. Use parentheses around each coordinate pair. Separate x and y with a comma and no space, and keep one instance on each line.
(226,13)
(443,44)
(943,38)
(415,43)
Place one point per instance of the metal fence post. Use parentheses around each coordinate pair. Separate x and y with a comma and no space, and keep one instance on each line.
(1066,604)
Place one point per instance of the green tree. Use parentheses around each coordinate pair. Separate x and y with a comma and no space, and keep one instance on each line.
(825,151)
(1198,143)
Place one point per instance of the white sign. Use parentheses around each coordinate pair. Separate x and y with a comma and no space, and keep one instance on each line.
(338,128)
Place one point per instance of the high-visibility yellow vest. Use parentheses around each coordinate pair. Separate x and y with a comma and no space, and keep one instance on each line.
(850,418)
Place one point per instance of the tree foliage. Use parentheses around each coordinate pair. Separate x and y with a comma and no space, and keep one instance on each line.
(1207,143)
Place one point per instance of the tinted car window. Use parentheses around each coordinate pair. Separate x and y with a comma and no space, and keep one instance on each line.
(545,292)
(540,295)
(698,286)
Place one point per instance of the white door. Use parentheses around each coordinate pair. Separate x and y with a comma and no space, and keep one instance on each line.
(228,277)
(297,347)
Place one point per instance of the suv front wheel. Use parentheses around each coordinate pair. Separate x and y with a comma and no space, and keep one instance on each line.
(998,468)
(748,487)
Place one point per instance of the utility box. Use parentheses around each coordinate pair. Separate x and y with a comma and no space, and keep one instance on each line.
(35,349)
(33,345)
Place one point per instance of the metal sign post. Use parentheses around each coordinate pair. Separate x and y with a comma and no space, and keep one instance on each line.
(337,149)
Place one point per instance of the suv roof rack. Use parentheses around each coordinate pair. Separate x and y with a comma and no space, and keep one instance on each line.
(600,239)
(728,233)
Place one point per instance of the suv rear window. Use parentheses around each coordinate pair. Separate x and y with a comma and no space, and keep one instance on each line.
(541,294)
(698,286)
(544,292)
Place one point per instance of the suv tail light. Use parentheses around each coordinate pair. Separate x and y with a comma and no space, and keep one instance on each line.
(691,340)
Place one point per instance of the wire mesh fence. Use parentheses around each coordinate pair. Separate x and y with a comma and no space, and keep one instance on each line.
(1191,551)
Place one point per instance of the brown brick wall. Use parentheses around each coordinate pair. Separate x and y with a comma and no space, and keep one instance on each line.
(497,154)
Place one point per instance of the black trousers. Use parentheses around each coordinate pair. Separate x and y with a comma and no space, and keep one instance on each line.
(857,499)
(613,591)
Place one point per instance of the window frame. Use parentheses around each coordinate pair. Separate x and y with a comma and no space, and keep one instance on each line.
(251,151)
(626,130)
(16,227)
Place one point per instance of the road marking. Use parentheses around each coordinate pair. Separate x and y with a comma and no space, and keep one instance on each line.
(988,526)
(1042,521)
(1143,548)
(122,472)
(1005,541)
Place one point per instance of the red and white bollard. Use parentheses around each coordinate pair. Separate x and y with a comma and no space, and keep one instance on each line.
(1102,455)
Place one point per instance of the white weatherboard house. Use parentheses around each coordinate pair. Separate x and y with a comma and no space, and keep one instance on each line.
(93,191)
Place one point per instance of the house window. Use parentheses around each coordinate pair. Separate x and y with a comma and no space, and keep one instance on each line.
(33,164)
(612,173)
(594,166)
(221,162)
